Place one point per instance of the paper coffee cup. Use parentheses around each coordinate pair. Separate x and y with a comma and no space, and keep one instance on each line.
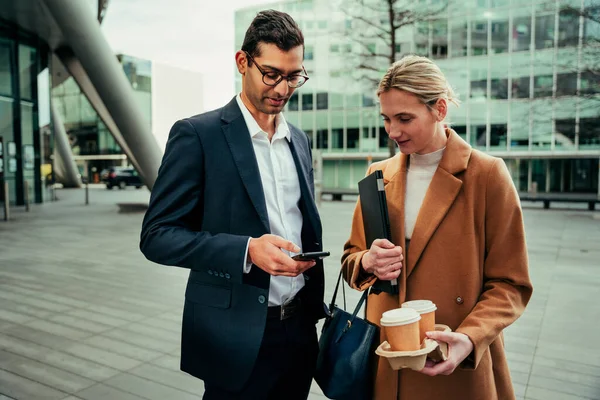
(426,309)
(402,329)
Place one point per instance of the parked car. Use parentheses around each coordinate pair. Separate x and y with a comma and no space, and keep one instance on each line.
(121,177)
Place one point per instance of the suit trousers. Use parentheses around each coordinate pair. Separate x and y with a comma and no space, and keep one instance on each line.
(285,365)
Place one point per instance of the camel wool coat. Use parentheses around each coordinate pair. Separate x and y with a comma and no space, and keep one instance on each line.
(467,254)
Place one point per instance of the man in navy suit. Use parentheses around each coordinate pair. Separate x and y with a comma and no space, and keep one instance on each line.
(233,201)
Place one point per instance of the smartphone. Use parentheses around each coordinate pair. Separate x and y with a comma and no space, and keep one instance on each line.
(314,256)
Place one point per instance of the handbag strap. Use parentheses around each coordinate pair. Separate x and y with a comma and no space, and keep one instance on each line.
(360,302)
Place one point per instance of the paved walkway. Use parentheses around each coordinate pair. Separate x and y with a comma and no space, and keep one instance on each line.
(83,315)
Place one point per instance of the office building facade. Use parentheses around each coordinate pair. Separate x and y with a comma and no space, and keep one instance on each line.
(527,74)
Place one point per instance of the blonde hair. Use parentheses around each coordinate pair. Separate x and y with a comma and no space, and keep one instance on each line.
(419,76)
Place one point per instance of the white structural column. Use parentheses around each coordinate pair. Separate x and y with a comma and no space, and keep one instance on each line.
(69,174)
(83,35)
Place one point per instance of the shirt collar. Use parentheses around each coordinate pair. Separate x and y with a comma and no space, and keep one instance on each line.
(282,129)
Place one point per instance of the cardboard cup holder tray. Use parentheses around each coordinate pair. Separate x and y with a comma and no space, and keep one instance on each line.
(415,360)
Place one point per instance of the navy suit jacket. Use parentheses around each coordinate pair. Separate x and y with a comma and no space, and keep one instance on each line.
(207,201)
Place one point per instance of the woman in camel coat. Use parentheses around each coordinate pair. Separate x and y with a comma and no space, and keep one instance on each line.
(457,212)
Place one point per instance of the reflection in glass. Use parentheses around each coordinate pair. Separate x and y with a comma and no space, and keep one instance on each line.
(479,89)
(439,39)
(500,36)
(498,135)
(27,66)
(322,101)
(542,86)
(520,88)
(5,69)
(564,134)
(307,101)
(544,32)
(521,35)
(566,84)
(479,34)
(568,28)
(458,44)
(589,133)
(499,89)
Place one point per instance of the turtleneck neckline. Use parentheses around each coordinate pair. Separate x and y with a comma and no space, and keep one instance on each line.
(432,158)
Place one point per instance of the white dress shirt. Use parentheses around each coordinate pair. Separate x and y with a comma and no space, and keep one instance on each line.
(281,187)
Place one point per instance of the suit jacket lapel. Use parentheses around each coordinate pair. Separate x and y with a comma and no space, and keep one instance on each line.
(240,143)
(442,191)
(306,190)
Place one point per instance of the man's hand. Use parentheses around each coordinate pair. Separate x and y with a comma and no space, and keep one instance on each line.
(265,252)
(383,259)
(459,347)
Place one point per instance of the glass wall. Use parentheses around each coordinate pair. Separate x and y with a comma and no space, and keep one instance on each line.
(22,61)
(527,74)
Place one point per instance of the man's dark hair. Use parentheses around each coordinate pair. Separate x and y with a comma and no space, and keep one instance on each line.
(276,27)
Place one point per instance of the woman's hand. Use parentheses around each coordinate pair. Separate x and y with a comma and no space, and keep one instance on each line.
(459,347)
(383,259)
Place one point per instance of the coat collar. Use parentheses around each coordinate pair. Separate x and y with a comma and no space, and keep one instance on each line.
(443,190)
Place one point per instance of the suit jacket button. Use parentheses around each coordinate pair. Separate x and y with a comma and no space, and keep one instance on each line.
(459,300)
(227,276)
(261,299)
(222,275)
(210,272)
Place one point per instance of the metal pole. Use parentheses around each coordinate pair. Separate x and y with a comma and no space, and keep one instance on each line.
(6,205)
(27,196)
(87,193)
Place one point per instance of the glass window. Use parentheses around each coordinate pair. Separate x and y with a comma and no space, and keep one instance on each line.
(479,34)
(544,31)
(564,134)
(591,27)
(293,102)
(590,83)
(498,135)
(307,101)
(520,88)
(568,28)
(422,38)
(458,44)
(336,100)
(27,75)
(5,69)
(479,89)
(352,138)
(334,48)
(439,39)
(499,89)
(566,84)
(337,138)
(500,36)
(521,35)
(321,139)
(478,136)
(309,53)
(542,86)
(368,101)
(321,101)
(589,132)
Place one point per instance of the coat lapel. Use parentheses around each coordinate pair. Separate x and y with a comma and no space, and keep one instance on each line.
(442,191)
(240,143)
(394,179)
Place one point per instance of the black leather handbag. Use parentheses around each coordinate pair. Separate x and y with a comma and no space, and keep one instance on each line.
(347,352)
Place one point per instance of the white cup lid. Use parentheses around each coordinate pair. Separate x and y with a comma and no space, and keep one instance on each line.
(421,306)
(399,316)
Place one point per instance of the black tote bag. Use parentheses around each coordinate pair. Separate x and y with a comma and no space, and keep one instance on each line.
(347,353)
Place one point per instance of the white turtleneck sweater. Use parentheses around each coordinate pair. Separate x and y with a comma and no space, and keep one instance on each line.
(420,172)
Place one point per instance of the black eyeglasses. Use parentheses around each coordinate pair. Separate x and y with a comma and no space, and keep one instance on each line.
(272,78)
